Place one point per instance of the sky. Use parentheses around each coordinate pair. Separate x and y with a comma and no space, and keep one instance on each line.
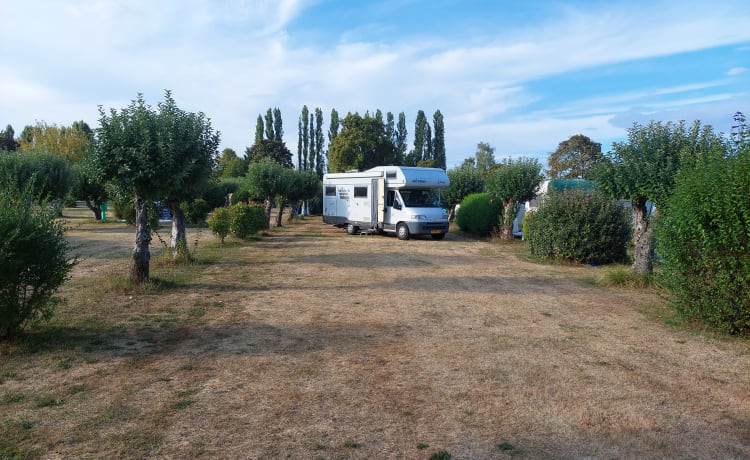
(522,76)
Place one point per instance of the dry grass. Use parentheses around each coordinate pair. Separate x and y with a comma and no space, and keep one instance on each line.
(313,344)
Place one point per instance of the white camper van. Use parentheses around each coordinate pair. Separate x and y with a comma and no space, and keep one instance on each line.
(394,199)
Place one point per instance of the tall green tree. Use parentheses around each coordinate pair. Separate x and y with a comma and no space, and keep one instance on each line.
(465,180)
(311,137)
(48,175)
(360,145)
(278,125)
(333,129)
(643,170)
(305,123)
(575,158)
(421,135)
(154,154)
(513,182)
(319,143)
(485,157)
(273,150)
(71,142)
(399,139)
(270,135)
(438,143)
(230,164)
(8,139)
(267,179)
(258,130)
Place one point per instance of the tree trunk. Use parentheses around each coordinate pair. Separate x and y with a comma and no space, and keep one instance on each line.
(95,209)
(643,236)
(269,206)
(280,205)
(178,243)
(508,216)
(141,253)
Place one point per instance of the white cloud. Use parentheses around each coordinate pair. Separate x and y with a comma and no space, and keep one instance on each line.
(734,71)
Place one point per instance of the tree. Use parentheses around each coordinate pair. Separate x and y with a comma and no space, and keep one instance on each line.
(485,157)
(399,139)
(8,140)
(574,158)
(304,124)
(319,143)
(422,141)
(438,142)
(643,169)
(360,145)
(278,126)
(465,180)
(230,165)
(258,129)
(153,154)
(269,125)
(273,150)
(88,186)
(333,130)
(71,142)
(512,182)
(266,179)
(49,176)
(34,259)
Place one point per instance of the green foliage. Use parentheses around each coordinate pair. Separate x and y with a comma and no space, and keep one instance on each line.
(512,182)
(34,260)
(216,192)
(464,180)
(246,219)
(48,175)
(574,158)
(220,223)
(361,144)
(124,209)
(478,214)
(703,241)
(195,211)
(272,150)
(580,227)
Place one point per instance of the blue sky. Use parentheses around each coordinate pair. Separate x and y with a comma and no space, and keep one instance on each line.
(522,76)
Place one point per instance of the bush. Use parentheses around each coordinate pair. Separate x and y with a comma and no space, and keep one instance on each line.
(125,210)
(34,260)
(477,214)
(220,223)
(703,240)
(195,211)
(246,219)
(578,226)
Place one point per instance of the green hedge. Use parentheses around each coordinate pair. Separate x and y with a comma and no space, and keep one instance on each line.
(478,214)
(247,219)
(703,241)
(578,226)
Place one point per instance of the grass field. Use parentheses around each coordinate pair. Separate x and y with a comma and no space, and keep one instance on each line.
(309,343)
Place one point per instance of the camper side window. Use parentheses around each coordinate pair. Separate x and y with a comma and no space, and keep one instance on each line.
(389,199)
(360,192)
(330,190)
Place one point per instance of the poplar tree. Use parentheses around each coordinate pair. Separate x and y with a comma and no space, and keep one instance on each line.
(400,139)
(438,143)
(333,130)
(258,130)
(278,129)
(269,125)
(305,121)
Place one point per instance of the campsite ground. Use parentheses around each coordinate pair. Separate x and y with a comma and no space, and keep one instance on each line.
(309,343)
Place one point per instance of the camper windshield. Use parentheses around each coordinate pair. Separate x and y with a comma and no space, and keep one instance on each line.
(421,198)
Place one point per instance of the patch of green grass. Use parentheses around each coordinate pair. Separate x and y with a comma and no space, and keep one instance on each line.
(351,444)
(506,446)
(623,276)
(13,397)
(441,455)
(48,401)
(184,404)
(422,446)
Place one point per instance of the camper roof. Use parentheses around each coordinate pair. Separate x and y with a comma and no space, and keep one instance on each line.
(412,176)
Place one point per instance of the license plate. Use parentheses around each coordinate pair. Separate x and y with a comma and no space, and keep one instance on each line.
(436,231)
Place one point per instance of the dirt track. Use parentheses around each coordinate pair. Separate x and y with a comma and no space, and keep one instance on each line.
(314,344)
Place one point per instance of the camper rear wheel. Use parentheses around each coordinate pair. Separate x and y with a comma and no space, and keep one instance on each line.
(402,231)
(352,229)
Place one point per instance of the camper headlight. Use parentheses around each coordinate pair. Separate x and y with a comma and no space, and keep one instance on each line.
(419,217)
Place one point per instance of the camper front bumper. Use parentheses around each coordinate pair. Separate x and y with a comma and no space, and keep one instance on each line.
(427,228)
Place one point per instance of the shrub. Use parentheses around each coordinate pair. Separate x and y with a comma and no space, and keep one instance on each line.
(124,209)
(34,260)
(703,242)
(195,211)
(477,214)
(578,226)
(220,223)
(246,219)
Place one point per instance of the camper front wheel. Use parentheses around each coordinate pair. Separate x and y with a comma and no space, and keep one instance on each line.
(351,229)
(402,231)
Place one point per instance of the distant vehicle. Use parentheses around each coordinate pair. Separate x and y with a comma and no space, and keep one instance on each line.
(387,199)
